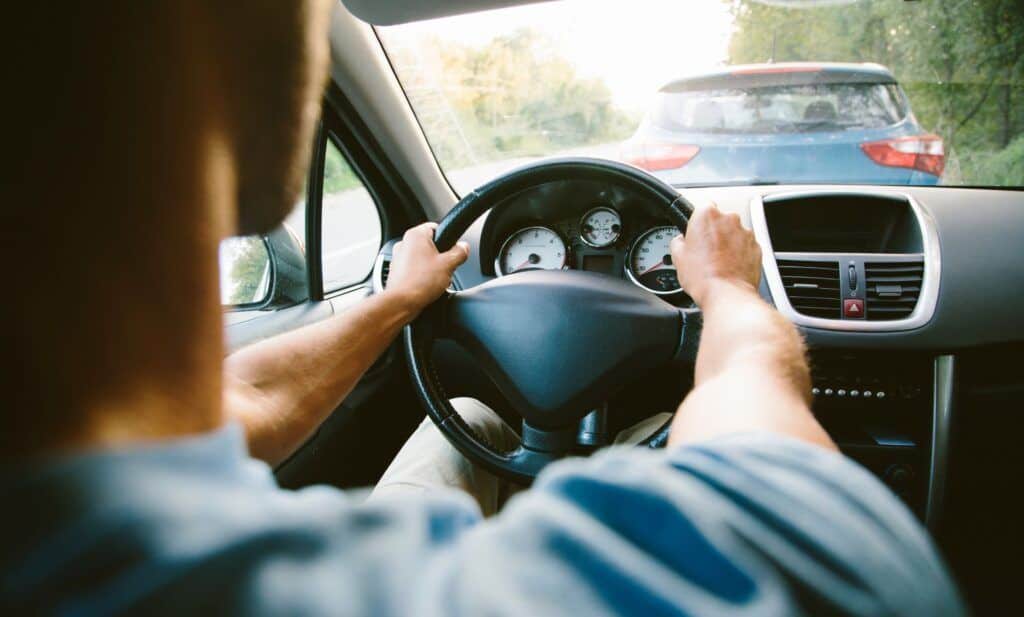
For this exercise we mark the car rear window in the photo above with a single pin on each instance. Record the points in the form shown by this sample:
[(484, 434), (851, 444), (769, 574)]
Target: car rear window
[(775, 109)]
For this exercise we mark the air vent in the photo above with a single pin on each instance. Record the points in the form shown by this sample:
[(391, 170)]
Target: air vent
[(892, 288), (812, 287)]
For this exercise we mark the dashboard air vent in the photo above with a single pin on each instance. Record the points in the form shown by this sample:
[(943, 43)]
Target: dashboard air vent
[(812, 287), (892, 288)]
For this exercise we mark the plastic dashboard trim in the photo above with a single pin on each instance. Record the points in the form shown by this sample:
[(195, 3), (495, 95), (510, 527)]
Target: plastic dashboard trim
[(927, 301)]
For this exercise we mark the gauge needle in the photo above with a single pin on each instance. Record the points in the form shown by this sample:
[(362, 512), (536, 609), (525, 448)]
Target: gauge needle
[(525, 263), (652, 268)]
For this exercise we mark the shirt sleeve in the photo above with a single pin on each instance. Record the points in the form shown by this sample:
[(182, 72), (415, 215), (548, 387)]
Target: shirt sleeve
[(746, 523), (749, 524)]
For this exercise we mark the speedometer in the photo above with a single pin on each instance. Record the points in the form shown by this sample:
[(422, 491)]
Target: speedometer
[(649, 263), (533, 248)]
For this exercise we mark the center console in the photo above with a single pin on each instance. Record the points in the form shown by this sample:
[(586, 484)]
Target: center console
[(869, 262), (889, 413)]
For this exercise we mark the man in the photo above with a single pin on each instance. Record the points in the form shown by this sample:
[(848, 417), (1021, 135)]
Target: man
[(161, 127)]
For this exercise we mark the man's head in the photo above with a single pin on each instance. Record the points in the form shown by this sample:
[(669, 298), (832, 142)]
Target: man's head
[(272, 57), (139, 134)]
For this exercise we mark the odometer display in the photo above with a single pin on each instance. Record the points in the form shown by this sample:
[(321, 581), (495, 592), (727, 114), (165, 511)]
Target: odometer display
[(649, 263)]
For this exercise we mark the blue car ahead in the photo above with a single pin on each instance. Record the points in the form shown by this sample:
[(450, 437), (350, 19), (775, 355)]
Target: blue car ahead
[(786, 123)]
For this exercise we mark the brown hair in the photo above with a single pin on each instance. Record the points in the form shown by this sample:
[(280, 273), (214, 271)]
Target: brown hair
[(136, 130)]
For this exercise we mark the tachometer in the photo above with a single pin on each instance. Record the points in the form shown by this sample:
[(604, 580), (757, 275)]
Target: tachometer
[(600, 227), (649, 263), (533, 248)]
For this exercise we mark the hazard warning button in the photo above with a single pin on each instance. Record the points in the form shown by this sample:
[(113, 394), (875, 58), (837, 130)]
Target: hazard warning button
[(853, 308)]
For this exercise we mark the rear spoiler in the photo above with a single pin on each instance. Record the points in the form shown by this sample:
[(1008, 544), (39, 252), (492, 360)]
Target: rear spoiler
[(767, 76)]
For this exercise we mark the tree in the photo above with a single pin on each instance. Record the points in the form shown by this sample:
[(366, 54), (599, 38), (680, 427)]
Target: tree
[(961, 62), (249, 261), (513, 96)]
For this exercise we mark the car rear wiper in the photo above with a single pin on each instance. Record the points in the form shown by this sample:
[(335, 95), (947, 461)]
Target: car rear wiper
[(811, 125), (712, 183)]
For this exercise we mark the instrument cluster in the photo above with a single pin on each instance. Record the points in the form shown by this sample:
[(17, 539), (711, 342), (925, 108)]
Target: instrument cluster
[(606, 239)]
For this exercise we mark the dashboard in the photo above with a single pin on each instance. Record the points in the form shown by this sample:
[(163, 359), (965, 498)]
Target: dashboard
[(978, 235)]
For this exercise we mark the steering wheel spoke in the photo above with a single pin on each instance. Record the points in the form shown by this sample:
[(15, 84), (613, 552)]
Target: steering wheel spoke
[(531, 462), (689, 339), (435, 317)]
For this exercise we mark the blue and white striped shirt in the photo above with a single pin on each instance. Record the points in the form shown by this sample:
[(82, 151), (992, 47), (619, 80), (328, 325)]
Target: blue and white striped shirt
[(748, 524)]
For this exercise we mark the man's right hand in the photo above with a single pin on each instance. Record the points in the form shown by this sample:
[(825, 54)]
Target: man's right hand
[(751, 372), (419, 273), (717, 249)]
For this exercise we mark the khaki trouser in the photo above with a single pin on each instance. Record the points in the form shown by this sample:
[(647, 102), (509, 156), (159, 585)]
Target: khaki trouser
[(428, 461)]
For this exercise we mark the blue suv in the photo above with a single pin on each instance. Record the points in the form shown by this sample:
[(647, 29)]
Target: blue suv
[(786, 123)]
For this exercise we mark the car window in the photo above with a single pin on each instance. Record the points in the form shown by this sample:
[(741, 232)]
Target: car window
[(774, 91), (784, 109), (351, 224)]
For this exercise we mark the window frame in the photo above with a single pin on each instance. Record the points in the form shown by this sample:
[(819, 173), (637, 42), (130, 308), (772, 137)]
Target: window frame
[(327, 135), (341, 124)]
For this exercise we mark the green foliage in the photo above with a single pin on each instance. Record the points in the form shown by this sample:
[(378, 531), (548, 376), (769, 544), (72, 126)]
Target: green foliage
[(1002, 168), (961, 63), (248, 264), (512, 97), (338, 175)]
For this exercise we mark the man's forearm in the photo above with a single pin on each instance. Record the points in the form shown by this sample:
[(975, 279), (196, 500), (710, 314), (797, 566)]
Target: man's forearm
[(751, 373), (740, 328), (284, 387)]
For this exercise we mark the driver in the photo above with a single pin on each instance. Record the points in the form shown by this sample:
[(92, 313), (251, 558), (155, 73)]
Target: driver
[(145, 133)]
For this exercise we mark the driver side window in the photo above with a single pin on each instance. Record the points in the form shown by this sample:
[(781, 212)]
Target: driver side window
[(351, 224)]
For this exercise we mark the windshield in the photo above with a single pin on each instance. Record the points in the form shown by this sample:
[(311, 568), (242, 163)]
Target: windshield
[(726, 91)]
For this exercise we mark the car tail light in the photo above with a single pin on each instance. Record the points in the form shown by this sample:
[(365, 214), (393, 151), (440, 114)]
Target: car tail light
[(921, 152), (659, 157)]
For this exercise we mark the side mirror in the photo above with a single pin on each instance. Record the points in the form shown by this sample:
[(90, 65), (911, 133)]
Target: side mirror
[(263, 272), (245, 272)]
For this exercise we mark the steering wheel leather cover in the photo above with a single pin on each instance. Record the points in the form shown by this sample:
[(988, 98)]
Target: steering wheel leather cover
[(535, 362)]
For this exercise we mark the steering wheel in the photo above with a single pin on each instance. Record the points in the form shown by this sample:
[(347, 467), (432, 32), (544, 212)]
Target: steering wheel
[(557, 344)]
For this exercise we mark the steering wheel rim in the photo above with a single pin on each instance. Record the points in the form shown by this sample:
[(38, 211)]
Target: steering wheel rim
[(539, 447)]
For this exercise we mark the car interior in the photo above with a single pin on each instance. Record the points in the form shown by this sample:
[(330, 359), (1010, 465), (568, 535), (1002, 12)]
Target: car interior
[(820, 110), (909, 298)]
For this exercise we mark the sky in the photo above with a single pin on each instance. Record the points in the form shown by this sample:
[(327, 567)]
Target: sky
[(635, 46)]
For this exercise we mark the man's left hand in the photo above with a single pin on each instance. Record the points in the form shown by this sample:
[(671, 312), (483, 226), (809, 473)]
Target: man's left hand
[(419, 273)]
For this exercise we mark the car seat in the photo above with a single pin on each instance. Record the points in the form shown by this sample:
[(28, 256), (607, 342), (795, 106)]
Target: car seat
[(707, 115), (820, 110)]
